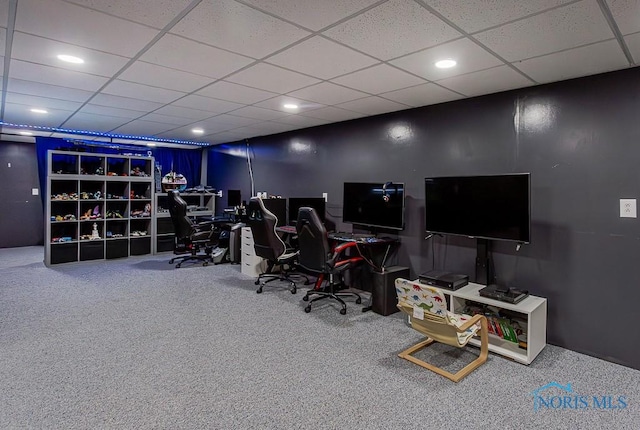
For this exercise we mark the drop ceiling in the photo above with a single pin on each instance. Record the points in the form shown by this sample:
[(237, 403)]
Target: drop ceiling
[(161, 68)]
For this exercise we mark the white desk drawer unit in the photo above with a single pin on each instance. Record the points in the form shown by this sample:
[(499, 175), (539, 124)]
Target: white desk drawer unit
[(252, 265)]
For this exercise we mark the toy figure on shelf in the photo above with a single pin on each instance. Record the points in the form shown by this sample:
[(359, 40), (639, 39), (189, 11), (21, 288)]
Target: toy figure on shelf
[(94, 232), (174, 181)]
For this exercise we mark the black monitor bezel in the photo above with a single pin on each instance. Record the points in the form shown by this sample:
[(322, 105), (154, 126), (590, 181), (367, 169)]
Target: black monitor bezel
[(382, 186)]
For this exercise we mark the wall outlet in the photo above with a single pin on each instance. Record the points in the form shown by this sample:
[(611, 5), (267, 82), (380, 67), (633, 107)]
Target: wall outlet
[(325, 196), (628, 208), (34, 191)]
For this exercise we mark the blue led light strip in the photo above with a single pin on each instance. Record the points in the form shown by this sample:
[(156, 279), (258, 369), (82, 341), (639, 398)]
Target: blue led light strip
[(100, 134)]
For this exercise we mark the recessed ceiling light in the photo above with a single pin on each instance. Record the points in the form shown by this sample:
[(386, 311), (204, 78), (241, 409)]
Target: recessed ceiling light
[(25, 133), (197, 130), (446, 64), (38, 110), (290, 106), (70, 59), (151, 144)]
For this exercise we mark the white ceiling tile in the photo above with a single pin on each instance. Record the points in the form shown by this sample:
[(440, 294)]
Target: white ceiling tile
[(206, 104), (277, 103), (379, 79), (500, 78), (259, 113), (392, 29), (475, 15), (469, 56), (183, 112), (373, 105), (55, 76), (110, 111), (633, 43), (3, 40), (321, 58), (333, 114), (143, 128), (235, 93), (248, 132), (597, 58), (194, 57), (31, 101), (225, 137), (266, 128), (312, 14), (302, 121), (167, 119), (328, 93), (163, 77), (626, 14), (142, 92), (422, 95), (251, 33), (158, 16), (270, 78), (52, 91), (183, 133), (125, 102), (39, 50), (563, 28), (4, 12), (20, 114), (88, 121), (58, 20), (227, 121)]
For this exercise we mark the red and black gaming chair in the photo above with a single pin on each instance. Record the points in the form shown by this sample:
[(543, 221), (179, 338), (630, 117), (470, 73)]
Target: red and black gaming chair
[(317, 256)]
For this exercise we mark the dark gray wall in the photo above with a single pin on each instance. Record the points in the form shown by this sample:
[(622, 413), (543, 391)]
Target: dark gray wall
[(21, 222), (579, 139)]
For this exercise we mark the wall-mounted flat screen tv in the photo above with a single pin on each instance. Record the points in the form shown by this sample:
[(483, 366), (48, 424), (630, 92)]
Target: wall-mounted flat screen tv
[(488, 207), (377, 205)]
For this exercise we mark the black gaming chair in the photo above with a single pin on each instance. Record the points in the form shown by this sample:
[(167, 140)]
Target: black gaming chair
[(317, 256), (267, 243), (191, 237)]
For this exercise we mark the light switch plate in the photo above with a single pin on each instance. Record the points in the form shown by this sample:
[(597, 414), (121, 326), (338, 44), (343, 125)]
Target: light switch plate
[(628, 208)]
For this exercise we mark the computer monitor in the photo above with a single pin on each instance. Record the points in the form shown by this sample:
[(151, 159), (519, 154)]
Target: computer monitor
[(375, 205), (234, 198), (295, 203), (278, 207)]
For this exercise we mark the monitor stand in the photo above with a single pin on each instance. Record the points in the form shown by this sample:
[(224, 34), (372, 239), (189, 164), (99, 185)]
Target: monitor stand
[(484, 263)]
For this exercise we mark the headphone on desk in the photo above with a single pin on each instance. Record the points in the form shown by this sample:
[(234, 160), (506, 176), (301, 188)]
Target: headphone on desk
[(385, 195)]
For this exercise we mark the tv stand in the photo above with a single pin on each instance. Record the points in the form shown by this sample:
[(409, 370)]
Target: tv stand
[(532, 309), (484, 264)]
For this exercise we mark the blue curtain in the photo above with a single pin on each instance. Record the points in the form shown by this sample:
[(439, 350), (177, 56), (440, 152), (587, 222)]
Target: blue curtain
[(185, 161)]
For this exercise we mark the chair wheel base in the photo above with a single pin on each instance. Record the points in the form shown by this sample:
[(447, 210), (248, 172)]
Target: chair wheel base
[(343, 311), (307, 309), (178, 265), (257, 282), (259, 290), (358, 300), (294, 290), (305, 298)]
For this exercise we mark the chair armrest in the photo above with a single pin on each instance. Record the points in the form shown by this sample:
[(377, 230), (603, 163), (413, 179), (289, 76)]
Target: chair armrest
[(473, 321), (338, 250)]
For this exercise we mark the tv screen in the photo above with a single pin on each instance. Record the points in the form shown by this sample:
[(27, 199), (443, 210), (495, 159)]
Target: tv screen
[(296, 203), (488, 207), (374, 204)]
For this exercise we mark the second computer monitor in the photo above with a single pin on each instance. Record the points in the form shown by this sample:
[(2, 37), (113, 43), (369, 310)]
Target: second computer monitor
[(295, 203)]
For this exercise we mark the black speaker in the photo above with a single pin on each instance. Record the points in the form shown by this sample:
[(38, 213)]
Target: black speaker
[(383, 295)]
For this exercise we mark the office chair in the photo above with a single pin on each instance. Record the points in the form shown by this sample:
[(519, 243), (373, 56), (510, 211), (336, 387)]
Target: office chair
[(190, 237), (317, 256), (427, 308), (281, 261)]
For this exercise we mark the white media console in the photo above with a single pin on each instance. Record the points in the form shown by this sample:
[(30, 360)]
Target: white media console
[(532, 309)]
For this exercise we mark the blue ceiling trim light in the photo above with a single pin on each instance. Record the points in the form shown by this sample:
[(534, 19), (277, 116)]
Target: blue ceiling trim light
[(100, 134)]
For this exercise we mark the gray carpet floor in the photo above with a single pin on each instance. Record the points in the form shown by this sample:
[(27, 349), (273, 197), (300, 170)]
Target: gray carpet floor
[(136, 343)]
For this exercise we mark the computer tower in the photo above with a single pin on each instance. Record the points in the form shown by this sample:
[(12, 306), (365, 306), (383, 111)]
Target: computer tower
[(383, 294), (235, 234)]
